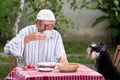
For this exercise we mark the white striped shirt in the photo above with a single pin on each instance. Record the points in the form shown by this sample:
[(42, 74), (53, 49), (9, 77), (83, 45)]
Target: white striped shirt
[(49, 50)]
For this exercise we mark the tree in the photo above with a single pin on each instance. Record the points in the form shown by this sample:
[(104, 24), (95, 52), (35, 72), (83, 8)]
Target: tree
[(18, 19), (110, 7), (8, 12)]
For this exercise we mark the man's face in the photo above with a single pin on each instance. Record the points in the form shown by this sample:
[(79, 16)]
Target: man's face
[(45, 25)]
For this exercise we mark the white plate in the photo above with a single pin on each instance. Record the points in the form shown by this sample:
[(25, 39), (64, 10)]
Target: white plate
[(45, 69), (48, 64)]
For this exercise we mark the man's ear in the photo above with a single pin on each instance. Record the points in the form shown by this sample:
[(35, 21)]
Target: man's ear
[(35, 22)]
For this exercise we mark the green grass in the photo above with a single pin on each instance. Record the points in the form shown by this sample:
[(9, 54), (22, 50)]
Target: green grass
[(4, 67), (80, 48), (80, 59), (3, 59), (1, 47), (75, 47), (4, 70), (72, 48)]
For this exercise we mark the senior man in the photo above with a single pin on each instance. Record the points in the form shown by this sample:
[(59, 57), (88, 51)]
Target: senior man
[(39, 42)]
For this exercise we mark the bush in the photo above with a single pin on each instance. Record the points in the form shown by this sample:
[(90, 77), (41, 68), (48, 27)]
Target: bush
[(9, 9)]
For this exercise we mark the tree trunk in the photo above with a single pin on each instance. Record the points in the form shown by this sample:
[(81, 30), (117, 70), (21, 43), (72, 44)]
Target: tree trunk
[(19, 17)]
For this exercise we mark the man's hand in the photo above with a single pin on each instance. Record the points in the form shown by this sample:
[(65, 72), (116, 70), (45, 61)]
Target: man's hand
[(62, 60), (34, 36)]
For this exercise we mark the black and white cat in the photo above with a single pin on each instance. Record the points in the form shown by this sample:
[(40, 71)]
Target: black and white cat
[(104, 64)]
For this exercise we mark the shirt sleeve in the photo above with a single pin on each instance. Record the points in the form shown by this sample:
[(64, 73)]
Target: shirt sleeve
[(15, 46), (60, 51)]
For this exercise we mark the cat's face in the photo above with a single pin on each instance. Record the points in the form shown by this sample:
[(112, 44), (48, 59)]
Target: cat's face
[(93, 51)]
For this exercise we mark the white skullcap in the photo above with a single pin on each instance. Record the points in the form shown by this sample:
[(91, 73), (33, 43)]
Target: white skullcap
[(45, 14)]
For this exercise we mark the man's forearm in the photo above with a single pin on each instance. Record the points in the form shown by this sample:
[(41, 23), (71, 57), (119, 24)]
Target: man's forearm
[(26, 39)]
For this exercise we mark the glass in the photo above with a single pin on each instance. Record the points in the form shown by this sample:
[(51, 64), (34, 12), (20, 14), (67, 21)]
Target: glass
[(48, 25)]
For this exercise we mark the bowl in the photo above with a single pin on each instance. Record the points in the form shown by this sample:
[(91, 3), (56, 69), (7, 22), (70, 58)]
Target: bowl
[(68, 67)]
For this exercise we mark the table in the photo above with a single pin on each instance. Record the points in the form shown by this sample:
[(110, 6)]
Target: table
[(83, 73)]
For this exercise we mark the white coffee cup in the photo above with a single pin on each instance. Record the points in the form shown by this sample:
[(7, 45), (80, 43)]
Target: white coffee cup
[(48, 34)]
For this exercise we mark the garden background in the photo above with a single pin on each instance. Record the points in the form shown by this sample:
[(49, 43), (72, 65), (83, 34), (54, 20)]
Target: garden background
[(79, 23)]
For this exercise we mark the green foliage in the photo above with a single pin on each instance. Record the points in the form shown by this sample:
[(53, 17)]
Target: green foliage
[(80, 59), (75, 47), (110, 7), (98, 20), (8, 11), (4, 70)]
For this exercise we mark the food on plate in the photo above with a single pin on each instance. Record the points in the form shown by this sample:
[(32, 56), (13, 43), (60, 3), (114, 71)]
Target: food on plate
[(47, 64), (30, 66)]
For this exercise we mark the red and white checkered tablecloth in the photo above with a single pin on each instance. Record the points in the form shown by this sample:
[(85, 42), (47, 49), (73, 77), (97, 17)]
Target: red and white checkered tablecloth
[(83, 73)]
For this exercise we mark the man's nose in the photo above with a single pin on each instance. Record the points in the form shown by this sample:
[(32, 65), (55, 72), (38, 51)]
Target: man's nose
[(44, 27)]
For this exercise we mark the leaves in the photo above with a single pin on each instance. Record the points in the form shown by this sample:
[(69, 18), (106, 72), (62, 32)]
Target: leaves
[(98, 20), (111, 7), (114, 31), (116, 2), (73, 4), (100, 1), (9, 9)]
